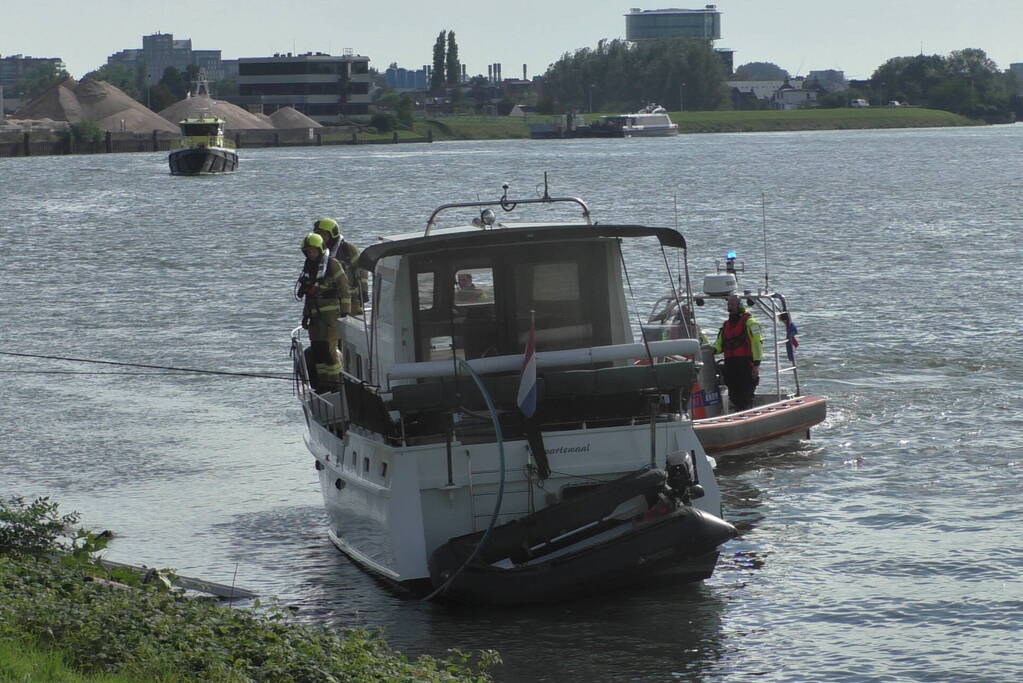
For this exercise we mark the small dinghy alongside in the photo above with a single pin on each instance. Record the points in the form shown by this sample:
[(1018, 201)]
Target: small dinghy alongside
[(613, 536)]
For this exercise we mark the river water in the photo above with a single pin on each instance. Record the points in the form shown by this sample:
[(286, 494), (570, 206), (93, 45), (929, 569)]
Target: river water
[(887, 548)]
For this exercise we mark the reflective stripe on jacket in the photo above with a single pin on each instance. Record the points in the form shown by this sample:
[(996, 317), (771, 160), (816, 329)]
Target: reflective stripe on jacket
[(332, 294)]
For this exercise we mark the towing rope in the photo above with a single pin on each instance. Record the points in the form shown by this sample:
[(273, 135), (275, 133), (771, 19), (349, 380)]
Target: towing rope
[(176, 370)]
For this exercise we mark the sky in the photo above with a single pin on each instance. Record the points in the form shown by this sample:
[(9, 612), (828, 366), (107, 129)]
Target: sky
[(855, 36)]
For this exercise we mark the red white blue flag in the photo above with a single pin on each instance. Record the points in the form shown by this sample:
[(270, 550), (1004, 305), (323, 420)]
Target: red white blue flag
[(527, 385)]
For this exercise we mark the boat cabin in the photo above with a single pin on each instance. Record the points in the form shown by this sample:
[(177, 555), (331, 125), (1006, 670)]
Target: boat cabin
[(474, 294), (203, 131)]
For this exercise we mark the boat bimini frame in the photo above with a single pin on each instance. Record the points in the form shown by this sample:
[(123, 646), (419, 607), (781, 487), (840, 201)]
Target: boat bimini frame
[(488, 218)]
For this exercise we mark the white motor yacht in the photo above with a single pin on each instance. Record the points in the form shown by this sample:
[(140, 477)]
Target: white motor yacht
[(440, 475)]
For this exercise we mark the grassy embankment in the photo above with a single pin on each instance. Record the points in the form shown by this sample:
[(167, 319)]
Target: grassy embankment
[(505, 127), (63, 617)]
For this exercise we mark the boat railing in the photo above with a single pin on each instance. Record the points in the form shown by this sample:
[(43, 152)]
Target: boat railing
[(487, 219), (547, 359), (773, 305)]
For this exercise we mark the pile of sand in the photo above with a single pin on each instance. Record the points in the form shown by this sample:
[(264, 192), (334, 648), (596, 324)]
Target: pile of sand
[(289, 117), (97, 101), (234, 116)]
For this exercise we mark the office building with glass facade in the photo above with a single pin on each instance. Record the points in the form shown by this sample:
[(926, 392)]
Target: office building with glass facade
[(321, 86), (648, 24)]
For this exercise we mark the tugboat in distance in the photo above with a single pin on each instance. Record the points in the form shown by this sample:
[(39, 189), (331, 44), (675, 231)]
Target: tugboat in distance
[(203, 148)]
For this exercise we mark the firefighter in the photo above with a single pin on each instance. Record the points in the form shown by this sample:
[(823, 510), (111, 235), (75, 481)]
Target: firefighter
[(346, 253), (743, 347), (324, 287)]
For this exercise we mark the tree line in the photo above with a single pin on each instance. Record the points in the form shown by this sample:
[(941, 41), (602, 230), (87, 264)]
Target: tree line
[(688, 74), (677, 73), (966, 82)]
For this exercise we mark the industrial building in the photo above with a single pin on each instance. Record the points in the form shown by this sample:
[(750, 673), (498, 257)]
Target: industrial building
[(161, 50), (321, 86)]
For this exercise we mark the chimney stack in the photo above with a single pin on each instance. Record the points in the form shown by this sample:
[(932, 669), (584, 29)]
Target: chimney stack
[(524, 73)]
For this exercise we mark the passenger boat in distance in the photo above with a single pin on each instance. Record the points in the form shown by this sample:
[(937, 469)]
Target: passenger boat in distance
[(651, 121), (442, 449), (781, 412), (203, 149)]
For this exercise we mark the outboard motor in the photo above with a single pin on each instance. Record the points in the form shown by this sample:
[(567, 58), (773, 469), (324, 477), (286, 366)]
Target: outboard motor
[(683, 478)]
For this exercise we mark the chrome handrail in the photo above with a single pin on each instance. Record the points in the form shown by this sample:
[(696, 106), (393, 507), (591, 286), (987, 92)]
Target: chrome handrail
[(502, 202), (508, 205)]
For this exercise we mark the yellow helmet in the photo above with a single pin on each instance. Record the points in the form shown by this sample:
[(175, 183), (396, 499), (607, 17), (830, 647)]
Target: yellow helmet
[(313, 240), (329, 226)]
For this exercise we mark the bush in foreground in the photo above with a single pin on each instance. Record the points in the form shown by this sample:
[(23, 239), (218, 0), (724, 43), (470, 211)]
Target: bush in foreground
[(150, 633)]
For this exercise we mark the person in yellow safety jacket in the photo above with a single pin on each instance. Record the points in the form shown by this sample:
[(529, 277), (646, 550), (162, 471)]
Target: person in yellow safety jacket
[(740, 340), (324, 287), (346, 253)]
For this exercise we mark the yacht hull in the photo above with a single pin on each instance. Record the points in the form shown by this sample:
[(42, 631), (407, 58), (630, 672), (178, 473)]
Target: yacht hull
[(202, 161), (390, 507)]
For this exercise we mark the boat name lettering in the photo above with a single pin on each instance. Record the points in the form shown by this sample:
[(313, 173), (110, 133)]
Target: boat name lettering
[(567, 449)]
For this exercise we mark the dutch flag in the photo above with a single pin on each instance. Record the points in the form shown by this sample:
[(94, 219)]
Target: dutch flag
[(527, 385)]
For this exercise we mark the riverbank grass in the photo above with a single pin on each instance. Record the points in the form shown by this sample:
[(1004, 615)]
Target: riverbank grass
[(62, 616)]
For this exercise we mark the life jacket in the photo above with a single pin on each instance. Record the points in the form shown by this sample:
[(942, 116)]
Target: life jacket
[(735, 341)]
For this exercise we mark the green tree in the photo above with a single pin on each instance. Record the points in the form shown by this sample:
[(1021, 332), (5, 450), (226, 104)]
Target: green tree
[(39, 78), (910, 79), (760, 71), (454, 68), (119, 75), (437, 77), (191, 73), (175, 83), (225, 87), (160, 97), (384, 122), (966, 82), (86, 131), (405, 110), (619, 76)]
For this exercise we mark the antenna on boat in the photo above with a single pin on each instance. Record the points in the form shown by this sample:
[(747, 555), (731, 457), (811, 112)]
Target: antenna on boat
[(763, 220), (685, 258)]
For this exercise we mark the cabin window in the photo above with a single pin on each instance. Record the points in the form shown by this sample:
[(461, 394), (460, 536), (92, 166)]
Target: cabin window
[(474, 287), (456, 310), (551, 294), (475, 317), (424, 290), (473, 305)]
